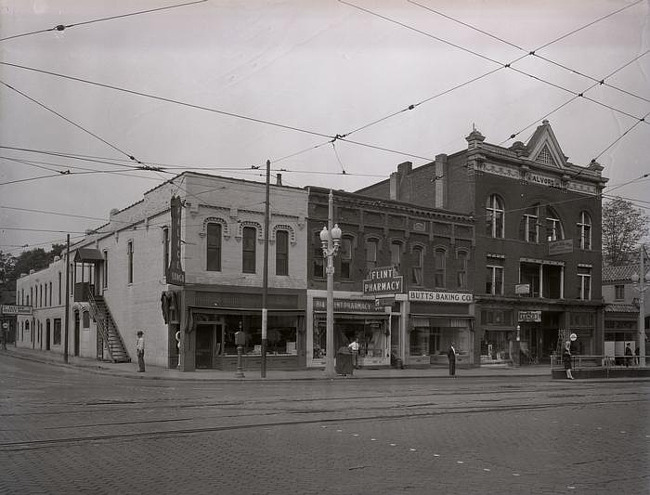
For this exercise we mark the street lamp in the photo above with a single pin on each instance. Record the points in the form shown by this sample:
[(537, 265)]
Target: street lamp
[(641, 286), (331, 240)]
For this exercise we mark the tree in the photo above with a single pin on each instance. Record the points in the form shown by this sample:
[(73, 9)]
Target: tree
[(624, 226)]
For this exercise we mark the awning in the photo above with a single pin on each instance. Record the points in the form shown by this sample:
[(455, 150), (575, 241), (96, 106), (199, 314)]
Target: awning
[(88, 255)]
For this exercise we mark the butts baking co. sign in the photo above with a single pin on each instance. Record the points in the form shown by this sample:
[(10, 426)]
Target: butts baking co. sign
[(440, 297)]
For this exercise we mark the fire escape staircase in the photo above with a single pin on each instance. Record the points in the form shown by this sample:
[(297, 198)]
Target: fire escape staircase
[(108, 330)]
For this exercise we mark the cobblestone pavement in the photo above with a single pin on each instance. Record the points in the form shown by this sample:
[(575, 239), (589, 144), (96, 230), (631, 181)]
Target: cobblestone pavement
[(66, 431)]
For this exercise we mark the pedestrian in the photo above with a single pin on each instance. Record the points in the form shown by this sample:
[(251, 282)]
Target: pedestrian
[(628, 355), (636, 356), (566, 359), (354, 347), (139, 347), (451, 354)]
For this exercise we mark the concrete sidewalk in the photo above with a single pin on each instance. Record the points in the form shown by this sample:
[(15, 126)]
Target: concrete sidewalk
[(129, 370)]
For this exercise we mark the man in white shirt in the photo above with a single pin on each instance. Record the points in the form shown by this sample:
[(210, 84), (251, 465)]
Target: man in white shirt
[(139, 347), (354, 347)]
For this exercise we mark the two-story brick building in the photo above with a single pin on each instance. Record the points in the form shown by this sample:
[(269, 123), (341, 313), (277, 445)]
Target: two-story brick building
[(537, 261), (415, 260), (212, 236)]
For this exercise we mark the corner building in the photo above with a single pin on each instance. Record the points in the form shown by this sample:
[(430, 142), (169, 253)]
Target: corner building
[(537, 262)]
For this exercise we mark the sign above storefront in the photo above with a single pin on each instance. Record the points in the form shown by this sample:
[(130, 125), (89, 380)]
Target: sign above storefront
[(522, 289), (560, 247), (440, 297), (385, 280), (346, 305), (529, 316), (10, 309)]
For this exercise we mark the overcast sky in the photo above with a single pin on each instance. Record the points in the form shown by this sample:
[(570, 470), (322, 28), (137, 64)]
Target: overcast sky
[(255, 80)]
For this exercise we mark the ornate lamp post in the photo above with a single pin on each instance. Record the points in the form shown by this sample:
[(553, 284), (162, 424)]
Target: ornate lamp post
[(330, 238), (641, 284)]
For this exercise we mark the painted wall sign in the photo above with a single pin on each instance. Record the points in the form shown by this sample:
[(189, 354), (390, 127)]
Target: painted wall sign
[(440, 297)]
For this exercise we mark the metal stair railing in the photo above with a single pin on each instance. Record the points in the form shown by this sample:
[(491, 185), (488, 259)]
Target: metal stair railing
[(112, 339)]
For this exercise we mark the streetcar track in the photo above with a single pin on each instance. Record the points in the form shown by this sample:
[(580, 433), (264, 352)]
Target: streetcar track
[(139, 435)]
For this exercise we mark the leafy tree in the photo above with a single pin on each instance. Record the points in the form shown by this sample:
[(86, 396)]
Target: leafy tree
[(624, 226)]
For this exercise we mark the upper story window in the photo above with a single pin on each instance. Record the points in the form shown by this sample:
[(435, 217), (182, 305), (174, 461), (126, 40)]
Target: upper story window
[(213, 247), (554, 229), (129, 256), (249, 235), (104, 275), (318, 266), (584, 230), (417, 258), (494, 217), (282, 252), (440, 267), (60, 287), (395, 253), (372, 248), (619, 292), (494, 276), (165, 243), (584, 283), (345, 254), (462, 258), (529, 227), (50, 293)]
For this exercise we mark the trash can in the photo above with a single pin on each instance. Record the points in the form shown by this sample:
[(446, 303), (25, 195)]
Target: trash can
[(344, 364)]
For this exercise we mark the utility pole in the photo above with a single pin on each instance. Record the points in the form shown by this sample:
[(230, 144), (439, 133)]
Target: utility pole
[(67, 299), (265, 275), (643, 286)]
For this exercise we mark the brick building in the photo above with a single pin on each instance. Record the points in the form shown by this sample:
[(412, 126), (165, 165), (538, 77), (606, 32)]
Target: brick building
[(425, 250), (121, 281), (537, 262)]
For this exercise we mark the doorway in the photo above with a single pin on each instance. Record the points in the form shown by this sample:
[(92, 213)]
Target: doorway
[(77, 330), (206, 336), (47, 334)]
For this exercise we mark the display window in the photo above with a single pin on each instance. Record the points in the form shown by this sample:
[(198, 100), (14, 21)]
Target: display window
[(373, 335)]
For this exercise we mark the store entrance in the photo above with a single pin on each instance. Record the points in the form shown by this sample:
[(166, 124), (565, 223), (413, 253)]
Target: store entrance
[(548, 335), (205, 344)]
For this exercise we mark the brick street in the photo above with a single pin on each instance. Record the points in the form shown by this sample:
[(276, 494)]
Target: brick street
[(64, 430)]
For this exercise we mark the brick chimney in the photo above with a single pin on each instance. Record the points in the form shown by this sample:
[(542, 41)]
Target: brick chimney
[(397, 178)]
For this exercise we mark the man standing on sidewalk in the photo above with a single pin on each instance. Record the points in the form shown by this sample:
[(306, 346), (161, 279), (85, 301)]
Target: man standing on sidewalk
[(451, 354), (139, 347)]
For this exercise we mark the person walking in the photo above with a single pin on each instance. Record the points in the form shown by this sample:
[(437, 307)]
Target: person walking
[(354, 347), (566, 359), (451, 355), (628, 355), (139, 347)]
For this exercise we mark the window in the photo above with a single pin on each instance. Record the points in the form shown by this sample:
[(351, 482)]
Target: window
[(461, 275), (584, 230), (85, 318), (372, 246), (439, 267), (395, 253), (282, 252), (494, 276), (584, 283), (165, 242), (104, 272), (529, 228), (416, 265), (248, 249), (60, 287), (57, 332), (50, 293), (619, 292), (213, 253), (317, 257), (129, 256), (554, 230), (345, 252), (494, 217)]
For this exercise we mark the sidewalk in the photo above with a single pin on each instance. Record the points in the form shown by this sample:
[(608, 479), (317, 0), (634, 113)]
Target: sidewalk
[(129, 370)]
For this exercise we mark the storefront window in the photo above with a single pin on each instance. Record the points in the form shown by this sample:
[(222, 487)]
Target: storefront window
[(372, 333), (281, 334)]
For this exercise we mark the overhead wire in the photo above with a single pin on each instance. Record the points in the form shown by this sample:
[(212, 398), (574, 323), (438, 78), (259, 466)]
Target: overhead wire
[(62, 27)]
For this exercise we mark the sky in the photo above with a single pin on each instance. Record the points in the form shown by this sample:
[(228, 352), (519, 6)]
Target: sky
[(222, 86)]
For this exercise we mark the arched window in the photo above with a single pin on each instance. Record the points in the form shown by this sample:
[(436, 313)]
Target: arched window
[(462, 258), (417, 256), (554, 228), (345, 255), (372, 250), (494, 217), (249, 236), (213, 252), (282, 252), (584, 230), (439, 267), (529, 226), (395, 253)]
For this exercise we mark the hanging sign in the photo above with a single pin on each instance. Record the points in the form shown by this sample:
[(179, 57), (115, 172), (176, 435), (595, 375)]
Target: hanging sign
[(175, 273)]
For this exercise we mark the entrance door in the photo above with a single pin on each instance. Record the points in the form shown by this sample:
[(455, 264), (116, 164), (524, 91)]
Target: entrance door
[(77, 329), (205, 340), (47, 335)]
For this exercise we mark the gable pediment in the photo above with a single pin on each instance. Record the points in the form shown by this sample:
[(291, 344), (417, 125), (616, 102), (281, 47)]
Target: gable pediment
[(544, 148)]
